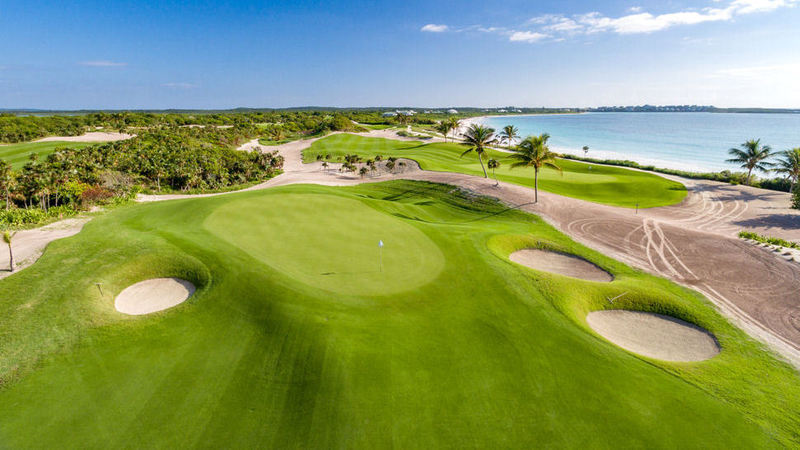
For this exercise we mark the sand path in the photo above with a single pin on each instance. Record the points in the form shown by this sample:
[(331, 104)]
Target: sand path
[(693, 243), (28, 245), (92, 136)]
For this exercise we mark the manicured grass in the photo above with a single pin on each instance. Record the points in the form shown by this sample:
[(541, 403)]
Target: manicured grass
[(266, 141), (343, 258), (17, 154), (472, 350), (379, 126), (601, 184)]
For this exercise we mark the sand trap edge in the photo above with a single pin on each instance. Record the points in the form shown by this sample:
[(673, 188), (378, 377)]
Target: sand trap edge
[(654, 335), (153, 295), (560, 263)]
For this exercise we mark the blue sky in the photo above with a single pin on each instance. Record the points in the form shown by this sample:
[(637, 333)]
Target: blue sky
[(163, 54)]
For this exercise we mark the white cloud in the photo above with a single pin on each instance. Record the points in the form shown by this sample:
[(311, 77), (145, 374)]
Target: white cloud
[(648, 23), (526, 36), (555, 27), (753, 6), (180, 85), (434, 28), (103, 64), (563, 25)]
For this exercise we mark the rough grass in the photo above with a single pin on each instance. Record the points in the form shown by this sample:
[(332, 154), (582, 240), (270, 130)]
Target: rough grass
[(485, 353), (18, 154), (601, 184)]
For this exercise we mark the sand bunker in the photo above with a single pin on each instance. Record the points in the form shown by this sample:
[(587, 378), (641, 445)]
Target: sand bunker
[(560, 263), (654, 335), (153, 295)]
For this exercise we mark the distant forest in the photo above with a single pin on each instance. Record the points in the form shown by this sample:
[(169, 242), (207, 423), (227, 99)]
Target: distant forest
[(377, 111)]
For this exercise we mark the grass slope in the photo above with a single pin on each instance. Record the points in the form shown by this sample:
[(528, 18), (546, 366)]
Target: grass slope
[(17, 154), (471, 351), (602, 184)]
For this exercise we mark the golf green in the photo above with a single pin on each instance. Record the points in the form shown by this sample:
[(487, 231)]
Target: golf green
[(452, 346), (330, 243)]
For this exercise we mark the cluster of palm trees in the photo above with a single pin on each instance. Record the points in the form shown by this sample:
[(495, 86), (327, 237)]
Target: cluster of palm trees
[(532, 151), (752, 155), (446, 126), (356, 164)]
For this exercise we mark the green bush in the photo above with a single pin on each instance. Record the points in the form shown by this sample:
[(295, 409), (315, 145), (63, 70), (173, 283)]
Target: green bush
[(17, 217), (768, 239), (796, 197)]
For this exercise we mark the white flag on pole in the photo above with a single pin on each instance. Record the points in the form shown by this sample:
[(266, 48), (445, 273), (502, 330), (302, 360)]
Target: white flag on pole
[(380, 244)]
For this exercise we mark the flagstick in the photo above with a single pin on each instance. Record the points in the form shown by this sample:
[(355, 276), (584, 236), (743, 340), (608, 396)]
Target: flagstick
[(380, 255)]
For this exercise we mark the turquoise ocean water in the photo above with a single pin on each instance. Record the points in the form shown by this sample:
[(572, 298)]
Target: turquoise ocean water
[(686, 141)]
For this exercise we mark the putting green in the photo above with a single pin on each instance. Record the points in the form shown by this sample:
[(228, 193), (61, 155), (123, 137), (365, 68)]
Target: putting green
[(330, 242)]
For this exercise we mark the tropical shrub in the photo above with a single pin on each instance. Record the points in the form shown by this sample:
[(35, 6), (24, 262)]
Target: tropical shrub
[(768, 240), (20, 216)]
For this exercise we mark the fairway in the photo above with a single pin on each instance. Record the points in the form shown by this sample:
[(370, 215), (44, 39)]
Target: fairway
[(601, 184), (451, 346), (18, 154)]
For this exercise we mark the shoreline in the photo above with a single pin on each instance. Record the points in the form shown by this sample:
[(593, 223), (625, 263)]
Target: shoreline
[(609, 154)]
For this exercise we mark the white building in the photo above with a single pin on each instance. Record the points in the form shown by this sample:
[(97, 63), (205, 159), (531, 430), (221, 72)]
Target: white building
[(452, 111)]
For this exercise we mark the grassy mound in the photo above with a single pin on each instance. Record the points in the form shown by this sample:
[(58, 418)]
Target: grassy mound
[(17, 154), (486, 353), (602, 184)]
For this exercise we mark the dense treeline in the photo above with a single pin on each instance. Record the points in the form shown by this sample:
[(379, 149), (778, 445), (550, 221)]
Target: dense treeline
[(162, 159), (21, 129), (25, 128)]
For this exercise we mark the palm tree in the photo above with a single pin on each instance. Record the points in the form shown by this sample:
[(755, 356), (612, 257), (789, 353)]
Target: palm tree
[(402, 118), (509, 134), (493, 164), (752, 155), (477, 138), (453, 126), (7, 239), (324, 166), (276, 133), (444, 127), (363, 172), (585, 150), (534, 152), (789, 165)]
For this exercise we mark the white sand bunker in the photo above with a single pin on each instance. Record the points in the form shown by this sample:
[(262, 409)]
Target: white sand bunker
[(654, 335), (560, 263), (153, 295)]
